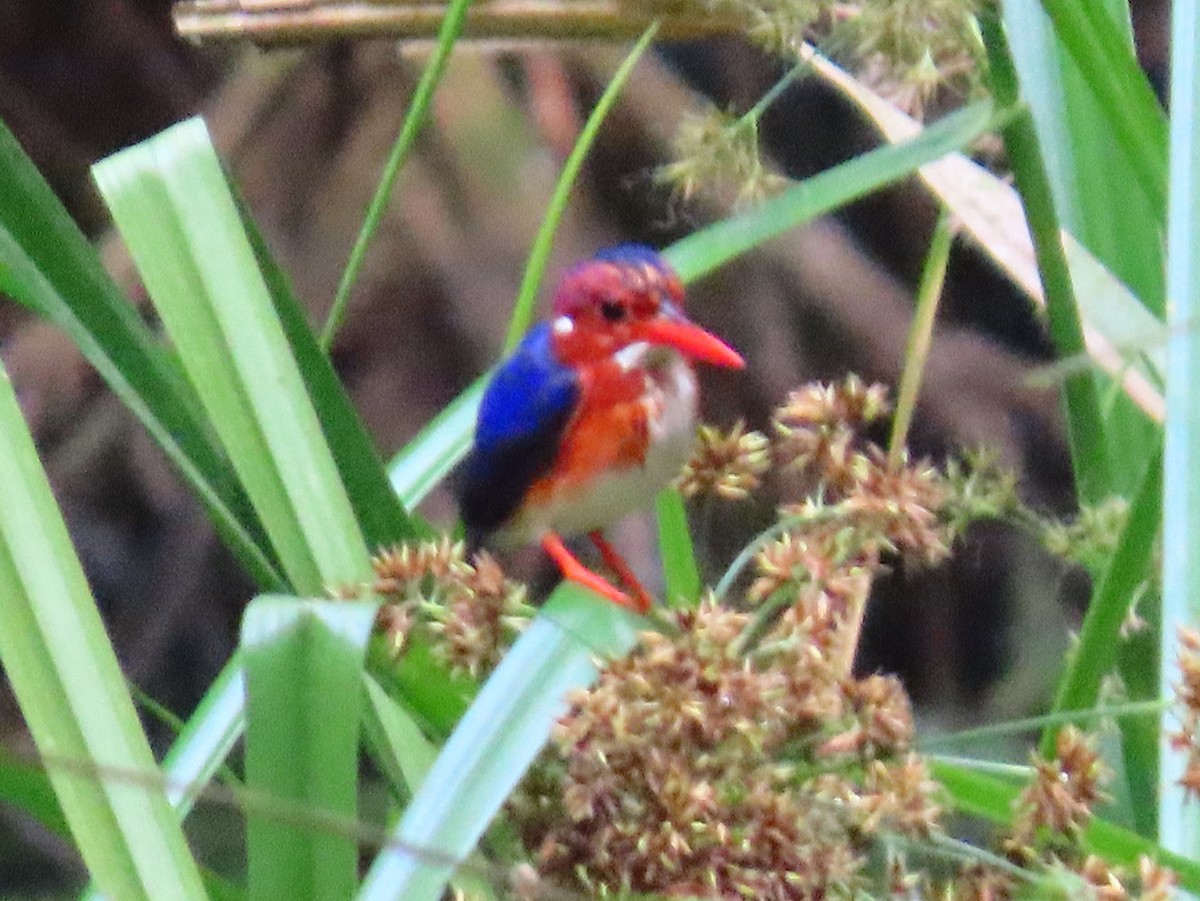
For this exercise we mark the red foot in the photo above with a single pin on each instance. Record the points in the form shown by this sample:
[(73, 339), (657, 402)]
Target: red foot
[(572, 569), (641, 597)]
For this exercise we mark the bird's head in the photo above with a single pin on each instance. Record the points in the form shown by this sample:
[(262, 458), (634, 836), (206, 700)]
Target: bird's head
[(628, 295)]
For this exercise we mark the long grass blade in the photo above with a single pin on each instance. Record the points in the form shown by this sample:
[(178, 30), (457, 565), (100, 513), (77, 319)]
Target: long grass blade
[(203, 745), (71, 692), (378, 510), (1095, 54), (539, 253), (1100, 638), (47, 265), (1179, 820), (920, 335), (303, 662), (173, 206), (1085, 421), (680, 571)]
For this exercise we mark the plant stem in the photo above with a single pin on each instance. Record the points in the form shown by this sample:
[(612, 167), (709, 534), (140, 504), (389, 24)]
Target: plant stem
[(451, 28), (920, 336), (1085, 421), (539, 253)]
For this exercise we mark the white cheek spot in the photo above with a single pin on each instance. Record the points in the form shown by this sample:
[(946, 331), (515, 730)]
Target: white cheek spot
[(631, 356), (563, 325)]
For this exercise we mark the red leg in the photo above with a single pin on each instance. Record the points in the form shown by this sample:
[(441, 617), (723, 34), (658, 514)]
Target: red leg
[(575, 571), (641, 597)]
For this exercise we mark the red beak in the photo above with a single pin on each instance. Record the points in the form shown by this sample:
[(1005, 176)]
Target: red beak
[(690, 340)]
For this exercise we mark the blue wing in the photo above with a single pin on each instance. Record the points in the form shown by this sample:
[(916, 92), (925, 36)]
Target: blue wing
[(524, 411)]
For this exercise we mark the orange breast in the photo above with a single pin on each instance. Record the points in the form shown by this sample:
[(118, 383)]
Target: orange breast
[(609, 431)]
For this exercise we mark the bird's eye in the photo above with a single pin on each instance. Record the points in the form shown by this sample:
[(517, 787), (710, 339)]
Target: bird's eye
[(612, 311)]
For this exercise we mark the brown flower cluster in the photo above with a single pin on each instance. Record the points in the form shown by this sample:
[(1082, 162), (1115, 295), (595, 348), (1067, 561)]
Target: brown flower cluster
[(822, 433), (692, 769), (1045, 839), (728, 464), (471, 610), (1187, 706), (831, 545), (1055, 808), (821, 426), (823, 574)]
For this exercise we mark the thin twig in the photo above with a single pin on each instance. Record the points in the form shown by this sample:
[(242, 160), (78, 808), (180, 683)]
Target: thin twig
[(285, 22)]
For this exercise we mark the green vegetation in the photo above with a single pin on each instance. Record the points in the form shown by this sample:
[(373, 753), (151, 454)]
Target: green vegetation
[(791, 776)]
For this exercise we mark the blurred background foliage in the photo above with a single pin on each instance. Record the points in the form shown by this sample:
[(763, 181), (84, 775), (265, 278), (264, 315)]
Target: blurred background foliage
[(306, 131)]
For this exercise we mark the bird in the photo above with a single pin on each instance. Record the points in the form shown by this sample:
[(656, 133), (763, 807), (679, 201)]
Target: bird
[(591, 415)]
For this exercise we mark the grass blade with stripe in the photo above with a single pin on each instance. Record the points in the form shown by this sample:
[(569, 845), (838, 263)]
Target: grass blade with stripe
[(380, 513), (47, 265), (71, 692), (171, 202), (303, 661)]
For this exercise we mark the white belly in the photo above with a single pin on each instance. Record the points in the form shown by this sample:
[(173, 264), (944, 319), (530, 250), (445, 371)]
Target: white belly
[(671, 404)]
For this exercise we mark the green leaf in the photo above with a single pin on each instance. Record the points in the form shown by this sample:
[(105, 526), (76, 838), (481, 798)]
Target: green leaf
[(379, 512), (1129, 567), (47, 265), (680, 572), (397, 743), (25, 785), (71, 692), (496, 741), (1100, 124), (1179, 817), (303, 661), (171, 202)]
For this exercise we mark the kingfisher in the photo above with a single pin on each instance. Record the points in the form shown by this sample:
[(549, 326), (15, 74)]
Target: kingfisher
[(592, 414)]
